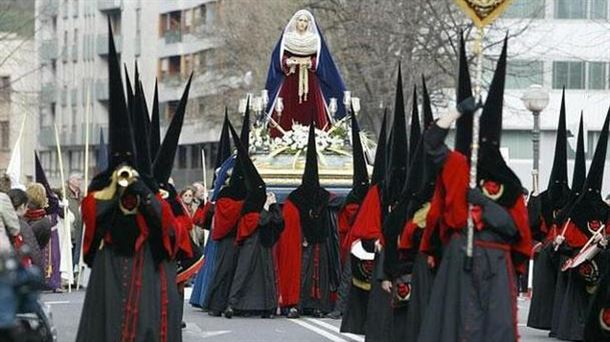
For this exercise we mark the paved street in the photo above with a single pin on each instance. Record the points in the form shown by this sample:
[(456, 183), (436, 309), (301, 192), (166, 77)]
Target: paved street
[(201, 327)]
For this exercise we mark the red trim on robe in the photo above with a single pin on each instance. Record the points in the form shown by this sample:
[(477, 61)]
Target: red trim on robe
[(183, 239), (201, 213), (88, 210), (345, 221), (168, 223), (367, 225), (247, 226), (225, 217), (449, 208), (406, 237), (288, 255), (575, 238)]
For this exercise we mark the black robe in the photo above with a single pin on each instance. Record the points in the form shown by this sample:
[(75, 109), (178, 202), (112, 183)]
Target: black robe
[(543, 292), (253, 286), (600, 301)]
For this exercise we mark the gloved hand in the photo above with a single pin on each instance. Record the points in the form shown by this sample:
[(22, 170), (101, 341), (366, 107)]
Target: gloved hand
[(139, 188), (476, 196), (469, 105)]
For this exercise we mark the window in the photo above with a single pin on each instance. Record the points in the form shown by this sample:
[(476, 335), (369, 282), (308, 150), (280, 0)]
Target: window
[(196, 157), (569, 74), (199, 15), (570, 9), (182, 157), (596, 75), (520, 74), (5, 88), (533, 9), (4, 135), (518, 143), (599, 9)]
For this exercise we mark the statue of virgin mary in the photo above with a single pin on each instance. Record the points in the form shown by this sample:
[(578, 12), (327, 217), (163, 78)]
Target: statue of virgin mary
[(303, 74)]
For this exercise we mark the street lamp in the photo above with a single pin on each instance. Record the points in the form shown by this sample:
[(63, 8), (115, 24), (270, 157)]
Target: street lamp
[(535, 99)]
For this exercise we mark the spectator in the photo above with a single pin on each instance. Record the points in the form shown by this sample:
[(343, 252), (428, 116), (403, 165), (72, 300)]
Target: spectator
[(200, 195), (9, 223), (75, 197), (187, 199), (46, 235), (20, 200)]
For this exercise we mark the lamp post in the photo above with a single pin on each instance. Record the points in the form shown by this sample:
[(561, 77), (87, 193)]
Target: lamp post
[(535, 99)]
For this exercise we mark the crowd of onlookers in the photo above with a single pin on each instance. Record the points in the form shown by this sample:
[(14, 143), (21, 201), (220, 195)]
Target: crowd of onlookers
[(36, 220)]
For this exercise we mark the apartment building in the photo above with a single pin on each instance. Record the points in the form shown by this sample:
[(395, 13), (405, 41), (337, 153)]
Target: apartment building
[(168, 39), (563, 43)]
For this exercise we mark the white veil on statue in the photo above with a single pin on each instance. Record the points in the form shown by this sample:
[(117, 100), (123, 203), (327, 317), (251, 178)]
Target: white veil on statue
[(303, 44)]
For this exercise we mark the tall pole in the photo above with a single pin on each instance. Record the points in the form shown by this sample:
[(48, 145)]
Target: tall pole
[(536, 150)]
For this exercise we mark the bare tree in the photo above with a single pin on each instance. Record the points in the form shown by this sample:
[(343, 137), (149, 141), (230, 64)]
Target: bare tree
[(367, 39)]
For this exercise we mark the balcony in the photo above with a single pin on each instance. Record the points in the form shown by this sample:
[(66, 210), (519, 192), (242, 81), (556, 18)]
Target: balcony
[(48, 93), (101, 90), (172, 37), (74, 53), (48, 49), (49, 8), (109, 5), (102, 44), (173, 80)]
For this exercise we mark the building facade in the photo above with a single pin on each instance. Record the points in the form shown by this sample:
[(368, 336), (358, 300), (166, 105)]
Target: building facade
[(559, 43), (167, 39), (18, 101)]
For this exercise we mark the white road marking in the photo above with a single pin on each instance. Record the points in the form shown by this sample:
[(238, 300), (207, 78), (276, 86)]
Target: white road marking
[(335, 329), (317, 330), (194, 329), (187, 293), (57, 302)]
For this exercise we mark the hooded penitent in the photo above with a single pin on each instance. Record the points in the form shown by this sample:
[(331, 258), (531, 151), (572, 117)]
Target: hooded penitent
[(236, 189), (463, 134), (40, 177), (310, 198), (590, 206), (398, 151), (491, 165), (558, 192)]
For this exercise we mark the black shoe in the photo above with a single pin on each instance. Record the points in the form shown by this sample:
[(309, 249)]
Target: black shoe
[(183, 325), (317, 313), (214, 313), (334, 314), (229, 312), (293, 313)]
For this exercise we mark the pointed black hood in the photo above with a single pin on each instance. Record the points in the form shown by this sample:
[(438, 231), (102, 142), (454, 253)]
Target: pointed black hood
[(426, 106), (163, 165), (141, 128), (223, 152), (580, 169), (245, 127), (101, 160), (120, 140), (130, 93), (235, 187), (41, 177), (398, 155), (254, 183), (155, 126), (491, 165), (415, 128), (558, 190), (360, 179), (311, 178), (463, 132), (379, 165), (590, 206)]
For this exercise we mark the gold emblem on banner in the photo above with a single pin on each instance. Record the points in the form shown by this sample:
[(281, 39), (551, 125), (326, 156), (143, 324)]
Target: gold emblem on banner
[(483, 12)]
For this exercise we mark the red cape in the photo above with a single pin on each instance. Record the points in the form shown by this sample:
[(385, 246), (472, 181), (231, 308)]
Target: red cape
[(449, 208), (247, 226), (168, 223), (367, 225), (225, 217), (201, 213), (288, 256), (346, 218)]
